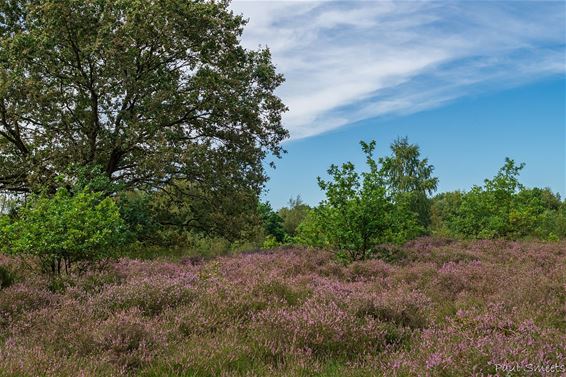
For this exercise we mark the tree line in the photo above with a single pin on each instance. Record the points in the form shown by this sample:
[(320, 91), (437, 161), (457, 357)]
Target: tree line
[(392, 201), (128, 124)]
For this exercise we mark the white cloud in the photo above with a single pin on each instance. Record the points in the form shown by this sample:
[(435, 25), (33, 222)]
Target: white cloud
[(351, 60)]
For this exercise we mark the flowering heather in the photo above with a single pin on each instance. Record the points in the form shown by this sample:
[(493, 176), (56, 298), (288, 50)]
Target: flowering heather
[(443, 308)]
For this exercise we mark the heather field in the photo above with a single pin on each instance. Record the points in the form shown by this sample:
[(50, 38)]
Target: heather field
[(438, 308)]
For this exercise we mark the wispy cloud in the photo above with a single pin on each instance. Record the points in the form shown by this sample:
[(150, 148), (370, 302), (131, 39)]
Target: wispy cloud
[(352, 60)]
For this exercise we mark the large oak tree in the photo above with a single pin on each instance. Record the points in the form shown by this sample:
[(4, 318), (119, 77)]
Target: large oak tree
[(150, 91)]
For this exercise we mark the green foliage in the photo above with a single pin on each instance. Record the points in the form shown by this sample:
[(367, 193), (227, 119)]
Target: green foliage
[(155, 94), (492, 211), (311, 230), (408, 175), (270, 242), (445, 207), (359, 212), (356, 211), (502, 208), (192, 247), (552, 224), (228, 213), (91, 177), (187, 221), (405, 220), (65, 228), (137, 211), (293, 215), (405, 171), (272, 222)]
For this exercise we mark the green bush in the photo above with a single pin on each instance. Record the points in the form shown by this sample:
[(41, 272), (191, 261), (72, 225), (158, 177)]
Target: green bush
[(185, 207), (293, 215), (137, 212), (445, 207), (311, 230), (359, 212), (539, 214), (272, 223), (501, 208), (65, 229), (270, 242), (552, 225)]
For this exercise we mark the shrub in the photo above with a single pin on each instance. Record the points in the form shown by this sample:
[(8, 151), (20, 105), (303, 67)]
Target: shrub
[(129, 339), (401, 307), (552, 225), (311, 230), (450, 307), (137, 212), (272, 222), (149, 295), (355, 214), (293, 215), (65, 229), (321, 328), (502, 208), (270, 242), (444, 209), (18, 300), (359, 212)]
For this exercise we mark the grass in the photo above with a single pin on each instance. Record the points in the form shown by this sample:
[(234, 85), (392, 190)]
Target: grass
[(436, 307)]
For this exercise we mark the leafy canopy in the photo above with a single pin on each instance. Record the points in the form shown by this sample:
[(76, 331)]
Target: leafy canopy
[(501, 208), (410, 178), (405, 171), (65, 228), (150, 91), (272, 222), (358, 213), (293, 215)]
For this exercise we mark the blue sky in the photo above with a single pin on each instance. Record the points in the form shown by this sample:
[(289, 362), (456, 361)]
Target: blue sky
[(470, 82)]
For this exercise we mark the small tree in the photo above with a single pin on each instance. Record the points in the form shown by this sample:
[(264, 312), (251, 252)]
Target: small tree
[(409, 178), (65, 229), (272, 223), (293, 215), (160, 94), (495, 210), (444, 210), (358, 213)]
